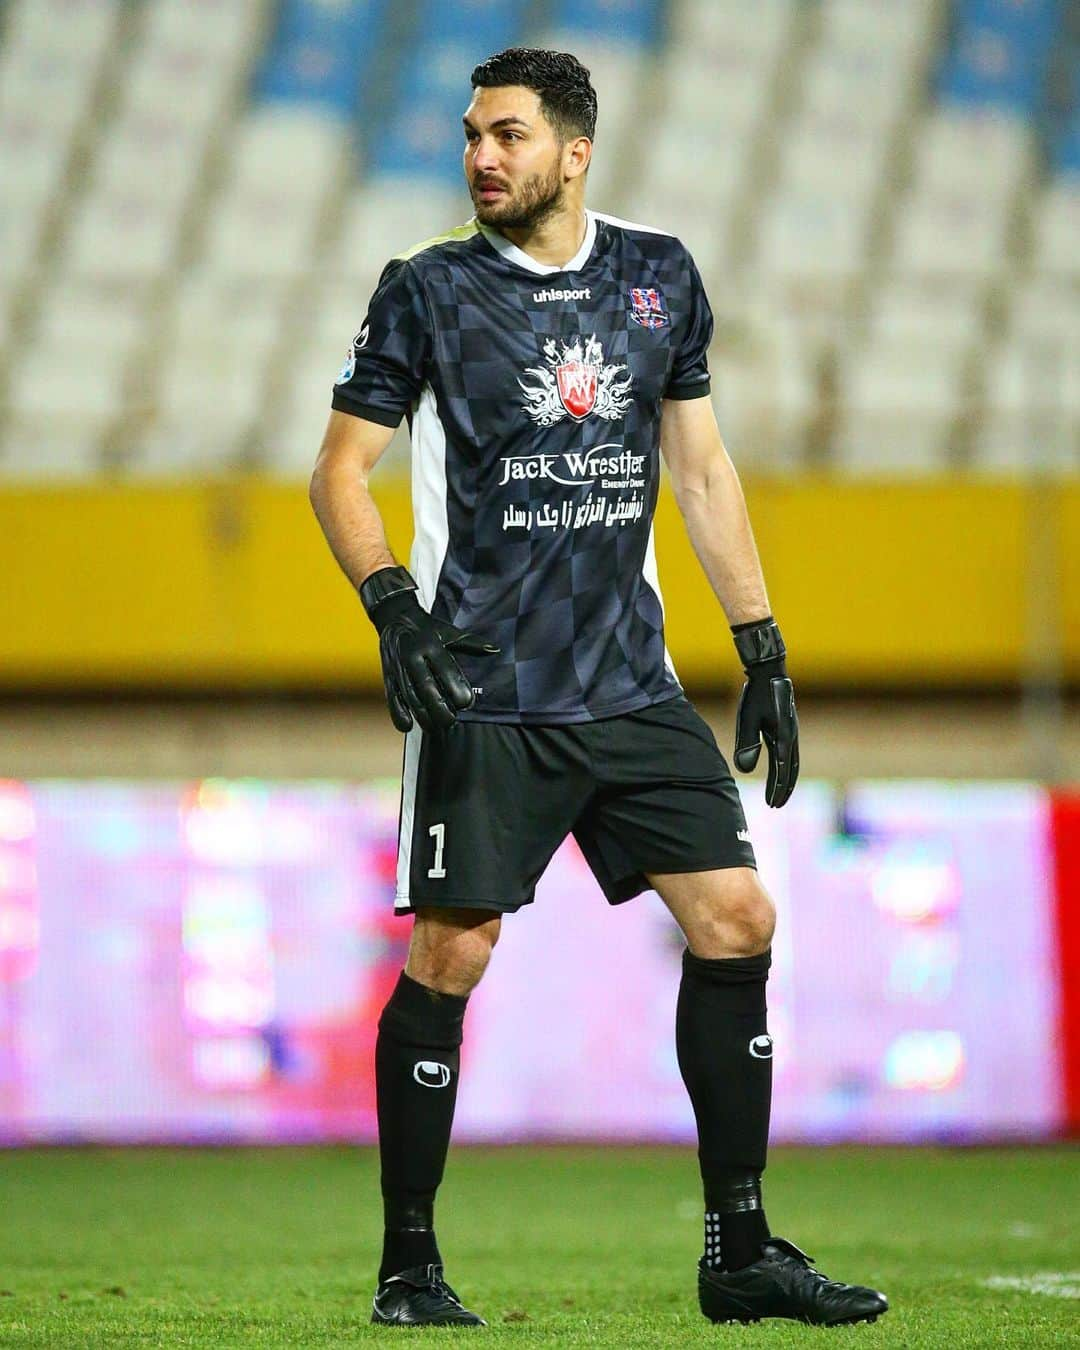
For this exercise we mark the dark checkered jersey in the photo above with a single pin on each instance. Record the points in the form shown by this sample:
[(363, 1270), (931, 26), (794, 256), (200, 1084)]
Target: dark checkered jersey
[(533, 395)]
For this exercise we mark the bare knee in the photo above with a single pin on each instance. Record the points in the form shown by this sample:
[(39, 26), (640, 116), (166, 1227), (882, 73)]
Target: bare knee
[(752, 920), (737, 920), (450, 948)]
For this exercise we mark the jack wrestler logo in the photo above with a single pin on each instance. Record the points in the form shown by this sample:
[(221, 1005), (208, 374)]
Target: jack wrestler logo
[(575, 383)]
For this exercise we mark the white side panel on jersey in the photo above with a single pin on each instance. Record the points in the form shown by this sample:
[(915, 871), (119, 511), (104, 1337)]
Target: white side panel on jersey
[(409, 775), (431, 536), (651, 574), (430, 523)]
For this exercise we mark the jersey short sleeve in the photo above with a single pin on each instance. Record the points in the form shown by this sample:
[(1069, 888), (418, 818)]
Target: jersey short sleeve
[(384, 368), (689, 376)]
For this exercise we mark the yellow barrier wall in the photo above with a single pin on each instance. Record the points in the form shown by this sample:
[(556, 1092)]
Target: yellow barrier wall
[(194, 585)]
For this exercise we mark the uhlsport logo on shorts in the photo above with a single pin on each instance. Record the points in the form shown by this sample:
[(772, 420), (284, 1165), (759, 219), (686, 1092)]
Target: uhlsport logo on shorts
[(761, 1047), (430, 1073), (575, 383)]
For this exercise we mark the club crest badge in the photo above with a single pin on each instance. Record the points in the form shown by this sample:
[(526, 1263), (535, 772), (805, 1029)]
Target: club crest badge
[(576, 383), (577, 387), (647, 307)]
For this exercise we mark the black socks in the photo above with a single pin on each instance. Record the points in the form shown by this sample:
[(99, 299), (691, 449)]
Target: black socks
[(416, 1074), (725, 1055)]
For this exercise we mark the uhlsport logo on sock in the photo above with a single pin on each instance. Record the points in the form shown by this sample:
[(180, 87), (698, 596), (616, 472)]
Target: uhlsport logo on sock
[(430, 1073), (760, 1047)]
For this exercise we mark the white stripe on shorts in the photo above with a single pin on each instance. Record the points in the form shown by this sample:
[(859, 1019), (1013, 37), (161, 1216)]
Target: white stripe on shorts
[(409, 775)]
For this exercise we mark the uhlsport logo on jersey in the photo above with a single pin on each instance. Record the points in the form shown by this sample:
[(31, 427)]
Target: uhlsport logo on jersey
[(576, 383), (647, 307), (761, 1047)]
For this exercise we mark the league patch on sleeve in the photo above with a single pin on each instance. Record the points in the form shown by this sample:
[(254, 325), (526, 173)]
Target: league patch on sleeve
[(348, 370), (647, 307)]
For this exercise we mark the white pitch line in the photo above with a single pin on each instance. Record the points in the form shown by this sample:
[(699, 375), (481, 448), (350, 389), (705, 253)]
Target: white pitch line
[(1054, 1283)]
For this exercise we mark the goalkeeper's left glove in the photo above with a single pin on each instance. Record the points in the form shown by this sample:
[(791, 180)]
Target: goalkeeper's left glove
[(766, 709)]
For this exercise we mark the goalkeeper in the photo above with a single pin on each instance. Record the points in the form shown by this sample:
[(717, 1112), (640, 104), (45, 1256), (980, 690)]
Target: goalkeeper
[(544, 355)]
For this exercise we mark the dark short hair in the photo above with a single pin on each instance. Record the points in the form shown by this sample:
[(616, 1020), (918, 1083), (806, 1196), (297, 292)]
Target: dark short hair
[(567, 98)]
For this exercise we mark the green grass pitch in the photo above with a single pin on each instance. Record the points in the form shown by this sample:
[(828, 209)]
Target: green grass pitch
[(562, 1246)]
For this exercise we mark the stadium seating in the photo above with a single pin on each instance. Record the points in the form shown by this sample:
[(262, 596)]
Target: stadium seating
[(199, 195)]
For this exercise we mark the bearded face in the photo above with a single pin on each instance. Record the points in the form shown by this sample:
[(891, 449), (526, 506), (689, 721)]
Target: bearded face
[(521, 205), (513, 159)]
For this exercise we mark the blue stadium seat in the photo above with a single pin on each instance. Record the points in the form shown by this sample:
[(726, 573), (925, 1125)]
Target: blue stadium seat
[(318, 51), (493, 24), (1030, 20), (991, 73), (999, 54), (423, 136), (625, 21), (1066, 149)]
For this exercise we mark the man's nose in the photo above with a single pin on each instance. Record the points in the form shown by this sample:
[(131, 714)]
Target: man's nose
[(487, 155)]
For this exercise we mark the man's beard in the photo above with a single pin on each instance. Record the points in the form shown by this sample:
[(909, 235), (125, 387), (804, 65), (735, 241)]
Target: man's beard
[(537, 199)]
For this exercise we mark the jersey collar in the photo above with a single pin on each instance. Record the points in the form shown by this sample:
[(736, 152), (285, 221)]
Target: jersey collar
[(520, 258)]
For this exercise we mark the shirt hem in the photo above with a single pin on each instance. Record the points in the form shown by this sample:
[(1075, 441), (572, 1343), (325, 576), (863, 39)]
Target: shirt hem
[(685, 391), (557, 719), (382, 416)]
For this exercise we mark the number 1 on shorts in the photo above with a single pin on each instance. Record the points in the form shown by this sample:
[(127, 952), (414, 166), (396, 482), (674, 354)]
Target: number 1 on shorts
[(438, 833)]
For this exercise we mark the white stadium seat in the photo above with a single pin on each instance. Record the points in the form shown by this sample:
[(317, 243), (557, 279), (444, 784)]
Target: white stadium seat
[(267, 235), (191, 82), (954, 235), (132, 236), (304, 151), (69, 386), (841, 154), (812, 236), (222, 26), (967, 152), (1047, 307), (210, 386), (1031, 417), (35, 161), (1057, 230), (866, 82), (882, 22), (20, 234), (900, 399), (389, 215), (935, 316), (48, 451), (158, 153), (716, 25), (80, 28)]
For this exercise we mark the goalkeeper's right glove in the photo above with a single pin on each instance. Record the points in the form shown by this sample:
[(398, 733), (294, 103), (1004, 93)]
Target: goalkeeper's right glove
[(423, 681)]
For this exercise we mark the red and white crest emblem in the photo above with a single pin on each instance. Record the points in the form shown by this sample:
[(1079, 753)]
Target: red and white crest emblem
[(577, 387), (575, 383)]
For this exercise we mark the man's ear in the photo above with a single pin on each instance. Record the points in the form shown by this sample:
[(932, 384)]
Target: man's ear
[(576, 156)]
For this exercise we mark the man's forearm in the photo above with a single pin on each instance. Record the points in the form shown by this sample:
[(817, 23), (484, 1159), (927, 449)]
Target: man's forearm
[(350, 520), (714, 510)]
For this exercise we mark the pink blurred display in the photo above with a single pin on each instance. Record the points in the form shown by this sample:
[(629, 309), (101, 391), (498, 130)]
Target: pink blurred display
[(208, 962)]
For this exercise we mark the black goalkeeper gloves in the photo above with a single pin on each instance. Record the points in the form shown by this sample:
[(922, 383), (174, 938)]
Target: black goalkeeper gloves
[(423, 681), (766, 709)]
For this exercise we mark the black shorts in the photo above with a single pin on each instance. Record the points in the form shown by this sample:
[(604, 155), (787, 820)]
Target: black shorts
[(485, 805)]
